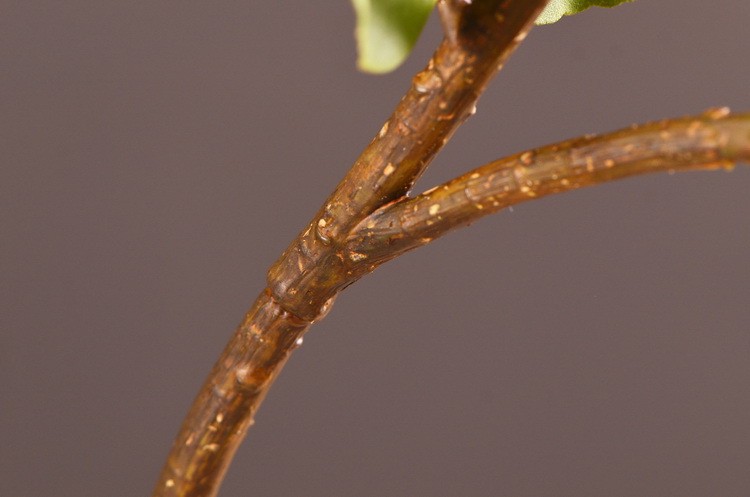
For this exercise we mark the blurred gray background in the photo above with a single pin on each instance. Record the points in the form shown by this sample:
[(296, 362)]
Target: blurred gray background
[(156, 157)]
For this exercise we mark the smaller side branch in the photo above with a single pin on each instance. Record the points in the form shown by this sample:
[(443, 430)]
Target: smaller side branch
[(713, 140)]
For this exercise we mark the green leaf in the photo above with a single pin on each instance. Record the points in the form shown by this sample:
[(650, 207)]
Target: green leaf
[(558, 8), (387, 30)]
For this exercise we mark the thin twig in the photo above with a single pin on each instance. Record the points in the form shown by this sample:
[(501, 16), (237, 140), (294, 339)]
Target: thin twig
[(481, 35), (711, 141), (225, 406)]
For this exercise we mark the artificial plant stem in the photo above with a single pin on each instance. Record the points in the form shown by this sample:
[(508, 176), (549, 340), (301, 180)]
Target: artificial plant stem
[(710, 141), (227, 402), (480, 36)]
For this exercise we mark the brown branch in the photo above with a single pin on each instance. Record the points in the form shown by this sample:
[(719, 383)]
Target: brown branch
[(480, 37), (227, 402), (368, 219), (710, 141), (303, 283)]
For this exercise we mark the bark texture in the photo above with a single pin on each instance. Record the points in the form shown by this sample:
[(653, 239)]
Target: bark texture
[(227, 402), (370, 219), (480, 38), (713, 140), (303, 283)]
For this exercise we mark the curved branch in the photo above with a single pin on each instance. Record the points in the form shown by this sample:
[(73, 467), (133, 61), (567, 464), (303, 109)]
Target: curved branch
[(228, 400), (304, 281), (710, 141), (481, 35)]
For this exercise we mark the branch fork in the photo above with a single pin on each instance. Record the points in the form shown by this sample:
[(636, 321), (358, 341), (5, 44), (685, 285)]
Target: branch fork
[(480, 36), (369, 218)]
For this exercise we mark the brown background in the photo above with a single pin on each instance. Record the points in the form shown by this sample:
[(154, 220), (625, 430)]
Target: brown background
[(158, 156)]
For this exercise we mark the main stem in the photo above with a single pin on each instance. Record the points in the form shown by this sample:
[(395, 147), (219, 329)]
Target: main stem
[(225, 406), (480, 36)]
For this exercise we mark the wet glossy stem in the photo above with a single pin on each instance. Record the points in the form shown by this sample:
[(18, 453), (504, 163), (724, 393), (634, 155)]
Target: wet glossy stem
[(710, 141), (227, 402)]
